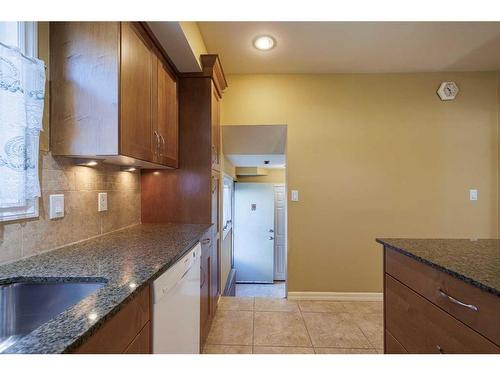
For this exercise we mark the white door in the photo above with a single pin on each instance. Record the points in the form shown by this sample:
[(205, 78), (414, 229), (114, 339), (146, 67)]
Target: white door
[(253, 232), (279, 232)]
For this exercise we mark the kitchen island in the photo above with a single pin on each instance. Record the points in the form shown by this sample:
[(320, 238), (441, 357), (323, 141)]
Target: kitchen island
[(125, 262), (441, 295)]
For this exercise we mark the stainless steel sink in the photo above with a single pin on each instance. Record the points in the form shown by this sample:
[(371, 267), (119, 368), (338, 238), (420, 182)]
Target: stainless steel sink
[(24, 306)]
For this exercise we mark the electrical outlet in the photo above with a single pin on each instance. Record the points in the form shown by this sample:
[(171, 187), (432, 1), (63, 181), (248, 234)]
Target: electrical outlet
[(473, 194), (295, 195), (102, 199), (56, 206)]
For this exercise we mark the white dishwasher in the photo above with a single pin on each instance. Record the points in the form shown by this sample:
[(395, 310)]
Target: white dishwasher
[(176, 307)]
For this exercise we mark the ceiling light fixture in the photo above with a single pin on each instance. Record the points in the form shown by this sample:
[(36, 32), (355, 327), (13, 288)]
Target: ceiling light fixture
[(264, 42)]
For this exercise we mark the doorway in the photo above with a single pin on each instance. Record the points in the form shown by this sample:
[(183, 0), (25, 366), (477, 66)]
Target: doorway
[(260, 239), (257, 156)]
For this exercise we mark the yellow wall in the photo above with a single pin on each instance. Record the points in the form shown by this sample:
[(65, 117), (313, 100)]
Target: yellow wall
[(375, 155), (194, 38), (273, 176), (498, 134)]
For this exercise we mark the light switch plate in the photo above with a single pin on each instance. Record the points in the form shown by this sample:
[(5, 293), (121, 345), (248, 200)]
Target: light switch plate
[(473, 194), (102, 202), (295, 195), (56, 206)]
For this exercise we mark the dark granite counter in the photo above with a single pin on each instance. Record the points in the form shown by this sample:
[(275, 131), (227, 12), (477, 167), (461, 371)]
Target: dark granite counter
[(476, 262), (127, 259)]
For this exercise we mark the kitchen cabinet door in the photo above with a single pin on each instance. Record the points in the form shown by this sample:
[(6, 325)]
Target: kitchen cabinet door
[(215, 264), (167, 116), (215, 186), (215, 129), (136, 133), (120, 333), (205, 276), (141, 343)]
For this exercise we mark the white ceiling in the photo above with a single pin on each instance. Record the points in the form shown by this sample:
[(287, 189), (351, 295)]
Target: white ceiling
[(356, 47)]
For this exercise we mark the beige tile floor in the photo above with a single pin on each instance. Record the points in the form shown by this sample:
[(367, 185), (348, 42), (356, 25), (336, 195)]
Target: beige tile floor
[(245, 325), (275, 290)]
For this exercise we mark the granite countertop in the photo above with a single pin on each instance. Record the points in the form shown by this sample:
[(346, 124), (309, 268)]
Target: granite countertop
[(476, 262), (128, 259)]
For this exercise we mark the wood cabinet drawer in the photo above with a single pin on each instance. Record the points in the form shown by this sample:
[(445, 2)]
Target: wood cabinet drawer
[(392, 346), (421, 327), (115, 335), (435, 285)]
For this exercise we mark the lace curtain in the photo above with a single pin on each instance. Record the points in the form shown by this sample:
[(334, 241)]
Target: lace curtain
[(22, 91)]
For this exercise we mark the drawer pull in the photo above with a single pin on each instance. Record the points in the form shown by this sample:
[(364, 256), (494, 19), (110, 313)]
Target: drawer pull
[(440, 349), (456, 301)]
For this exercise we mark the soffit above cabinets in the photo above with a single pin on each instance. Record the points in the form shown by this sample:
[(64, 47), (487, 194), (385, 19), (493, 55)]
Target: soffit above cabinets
[(172, 38), (355, 47), (254, 139), (261, 146), (275, 160)]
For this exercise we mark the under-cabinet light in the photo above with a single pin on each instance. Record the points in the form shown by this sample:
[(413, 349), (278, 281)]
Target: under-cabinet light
[(128, 169), (86, 162)]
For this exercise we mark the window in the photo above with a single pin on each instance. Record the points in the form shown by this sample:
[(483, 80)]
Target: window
[(22, 91), (227, 204)]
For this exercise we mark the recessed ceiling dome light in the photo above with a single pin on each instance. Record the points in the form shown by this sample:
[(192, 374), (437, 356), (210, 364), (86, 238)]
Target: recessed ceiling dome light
[(264, 43)]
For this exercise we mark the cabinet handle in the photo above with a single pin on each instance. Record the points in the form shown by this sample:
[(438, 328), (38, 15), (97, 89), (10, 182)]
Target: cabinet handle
[(206, 241), (157, 145), (440, 349), (457, 302), (163, 145), (202, 275)]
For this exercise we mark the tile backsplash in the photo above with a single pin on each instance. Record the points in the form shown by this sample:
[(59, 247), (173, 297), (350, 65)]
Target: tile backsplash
[(80, 186)]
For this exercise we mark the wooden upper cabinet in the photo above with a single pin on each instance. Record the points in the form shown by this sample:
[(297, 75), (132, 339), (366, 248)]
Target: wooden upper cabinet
[(113, 95), (136, 137), (215, 108), (167, 124)]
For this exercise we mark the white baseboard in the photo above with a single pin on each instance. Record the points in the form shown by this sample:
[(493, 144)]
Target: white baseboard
[(336, 296)]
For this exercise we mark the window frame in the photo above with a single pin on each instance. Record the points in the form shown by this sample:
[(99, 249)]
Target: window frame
[(27, 39)]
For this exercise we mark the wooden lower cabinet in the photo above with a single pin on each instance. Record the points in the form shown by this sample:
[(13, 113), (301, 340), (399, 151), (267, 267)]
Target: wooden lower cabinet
[(205, 275), (419, 320), (392, 345), (208, 285), (214, 277), (129, 331), (142, 342), (422, 327), (435, 285)]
